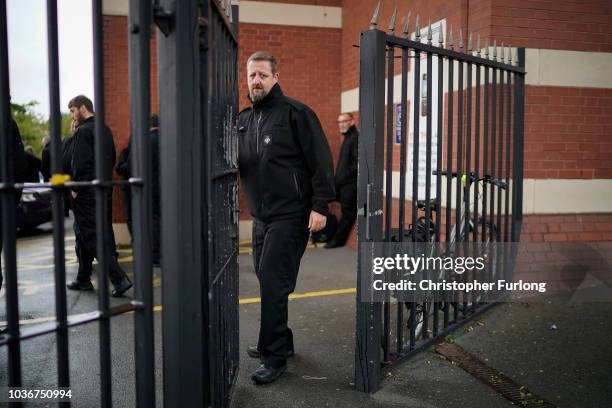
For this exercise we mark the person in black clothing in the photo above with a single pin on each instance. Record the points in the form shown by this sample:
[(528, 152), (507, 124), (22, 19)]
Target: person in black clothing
[(82, 168), (33, 165), (124, 169), (17, 167), (286, 170), (45, 167), (346, 180)]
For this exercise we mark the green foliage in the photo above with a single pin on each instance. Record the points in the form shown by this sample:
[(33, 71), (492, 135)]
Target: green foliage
[(33, 126)]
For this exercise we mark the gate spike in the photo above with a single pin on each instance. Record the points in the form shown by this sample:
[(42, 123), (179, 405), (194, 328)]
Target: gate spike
[(417, 30), (391, 29), (503, 53), (487, 48), (441, 37), (460, 39), (494, 50), (469, 44), (516, 59), (407, 26), (374, 21), (451, 38), (509, 54), (478, 45), (429, 33)]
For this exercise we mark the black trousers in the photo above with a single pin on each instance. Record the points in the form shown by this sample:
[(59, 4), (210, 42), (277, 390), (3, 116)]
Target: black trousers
[(347, 194), (84, 209), (278, 247)]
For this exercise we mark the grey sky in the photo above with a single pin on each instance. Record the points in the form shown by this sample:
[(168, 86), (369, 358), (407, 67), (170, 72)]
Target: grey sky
[(27, 36)]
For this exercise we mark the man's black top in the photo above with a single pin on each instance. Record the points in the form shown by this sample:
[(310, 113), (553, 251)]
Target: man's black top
[(46, 161), (124, 162), (82, 165), (286, 167), (16, 154), (346, 169), (34, 165)]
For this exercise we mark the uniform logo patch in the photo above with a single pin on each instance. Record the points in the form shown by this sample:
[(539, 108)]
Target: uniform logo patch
[(267, 140)]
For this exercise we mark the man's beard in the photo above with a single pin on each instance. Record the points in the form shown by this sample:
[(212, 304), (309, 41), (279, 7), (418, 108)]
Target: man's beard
[(255, 98)]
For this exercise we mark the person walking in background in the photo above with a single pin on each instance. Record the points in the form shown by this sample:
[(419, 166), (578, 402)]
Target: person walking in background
[(346, 180), (124, 169), (82, 168), (45, 167), (33, 166), (17, 167)]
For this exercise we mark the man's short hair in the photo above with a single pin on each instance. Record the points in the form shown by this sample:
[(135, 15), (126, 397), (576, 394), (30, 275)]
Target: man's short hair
[(81, 100), (154, 121), (349, 114), (264, 56)]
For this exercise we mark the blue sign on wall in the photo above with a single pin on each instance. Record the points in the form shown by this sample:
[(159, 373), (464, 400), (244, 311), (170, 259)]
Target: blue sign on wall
[(398, 123)]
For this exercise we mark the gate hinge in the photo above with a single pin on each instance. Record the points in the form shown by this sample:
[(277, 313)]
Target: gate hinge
[(163, 18)]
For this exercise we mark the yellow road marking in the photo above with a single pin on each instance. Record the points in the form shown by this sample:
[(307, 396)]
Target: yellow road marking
[(241, 301)]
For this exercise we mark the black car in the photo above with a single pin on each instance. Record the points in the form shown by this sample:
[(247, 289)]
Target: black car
[(34, 208)]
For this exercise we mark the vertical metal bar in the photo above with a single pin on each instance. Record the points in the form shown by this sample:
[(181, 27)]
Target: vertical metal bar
[(61, 310), (402, 192), (507, 160), (459, 186), (416, 102), (9, 249), (182, 219), (436, 323), (485, 153), (468, 150), (500, 147), (449, 169), (428, 147), (477, 172), (139, 30), (492, 232), (519, 114), (371, 142), (102, 209), (388, 190)]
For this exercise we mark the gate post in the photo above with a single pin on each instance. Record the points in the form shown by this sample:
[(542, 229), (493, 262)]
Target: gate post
[(181, 147), (517, 176), (369, 202)]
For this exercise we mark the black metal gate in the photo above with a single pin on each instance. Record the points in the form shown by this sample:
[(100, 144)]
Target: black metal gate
[(197, 65), (466, 108)]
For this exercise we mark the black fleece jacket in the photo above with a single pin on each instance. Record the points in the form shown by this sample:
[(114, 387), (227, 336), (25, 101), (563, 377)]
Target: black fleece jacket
[(286, 167)]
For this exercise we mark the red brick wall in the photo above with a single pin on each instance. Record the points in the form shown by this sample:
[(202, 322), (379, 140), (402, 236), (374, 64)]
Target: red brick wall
[(568, 133), (565, 25), (569, 227), (309, 61)]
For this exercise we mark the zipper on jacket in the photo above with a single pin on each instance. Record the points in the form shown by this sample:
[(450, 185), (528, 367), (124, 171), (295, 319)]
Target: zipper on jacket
[(257, 132), (297, 186)]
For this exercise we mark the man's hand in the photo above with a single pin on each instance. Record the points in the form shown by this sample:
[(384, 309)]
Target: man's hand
[(73, 125), (317, 221), (74, 194)]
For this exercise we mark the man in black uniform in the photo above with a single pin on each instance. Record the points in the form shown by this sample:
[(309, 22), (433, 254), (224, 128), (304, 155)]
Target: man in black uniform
[(124, 169), (346, 180), (17, 166), (286, 171), (82, 168)]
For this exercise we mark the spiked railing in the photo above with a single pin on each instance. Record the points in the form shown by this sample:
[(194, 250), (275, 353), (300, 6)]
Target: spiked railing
[(466, 102)]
